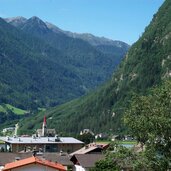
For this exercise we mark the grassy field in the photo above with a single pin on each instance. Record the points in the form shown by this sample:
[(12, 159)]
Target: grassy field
[(41, 109), (2, 109), (103, 142), (119, 142), (128, 142), (17, 111)]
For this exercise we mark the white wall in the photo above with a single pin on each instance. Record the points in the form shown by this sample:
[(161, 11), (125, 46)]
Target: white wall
[(1, 167), (79, 168), (34, 167)]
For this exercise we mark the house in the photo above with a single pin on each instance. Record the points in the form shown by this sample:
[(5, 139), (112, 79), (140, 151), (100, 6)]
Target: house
[(45, 144), (7, 157), (128, 138), (117, 137), (101, 136), (92, 148), (86, 131), (61, 158), (10, 129), (84, 162), (33, 164)]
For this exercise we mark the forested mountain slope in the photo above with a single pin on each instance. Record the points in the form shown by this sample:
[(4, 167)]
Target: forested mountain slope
[(31, 71), (40, 68), (147, 64), (114, 46)]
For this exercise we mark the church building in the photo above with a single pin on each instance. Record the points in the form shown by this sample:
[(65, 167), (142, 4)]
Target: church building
[(44, 132)]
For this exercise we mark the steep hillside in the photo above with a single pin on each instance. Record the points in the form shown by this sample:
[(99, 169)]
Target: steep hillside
[(147, 64), (30, 71), (40, 68)]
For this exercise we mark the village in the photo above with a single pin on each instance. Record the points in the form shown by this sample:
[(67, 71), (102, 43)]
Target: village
[(46, 150)]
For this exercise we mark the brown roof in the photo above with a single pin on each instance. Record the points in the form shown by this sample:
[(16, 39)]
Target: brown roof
[(90, 148), (55, 157), (85, 150), (64, 159), (32, 160), (6, 157), (87, 160)]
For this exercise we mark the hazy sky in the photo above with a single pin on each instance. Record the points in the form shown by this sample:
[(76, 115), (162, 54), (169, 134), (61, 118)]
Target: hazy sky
[(123, 20)]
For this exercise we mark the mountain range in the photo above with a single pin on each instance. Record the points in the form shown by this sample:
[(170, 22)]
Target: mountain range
[(43, 67), (147, 64)]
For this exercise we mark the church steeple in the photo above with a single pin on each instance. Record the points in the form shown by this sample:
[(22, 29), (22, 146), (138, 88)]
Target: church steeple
[(44, 121), (44, 127)]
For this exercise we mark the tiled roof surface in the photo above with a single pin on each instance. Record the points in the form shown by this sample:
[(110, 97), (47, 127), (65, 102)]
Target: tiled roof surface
[(32, 160), (90, 147), (6, 157), (88, 160), (84, 150), (64, 159)]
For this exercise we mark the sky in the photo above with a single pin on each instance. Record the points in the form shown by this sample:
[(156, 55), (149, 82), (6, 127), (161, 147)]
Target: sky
[(123, 20)]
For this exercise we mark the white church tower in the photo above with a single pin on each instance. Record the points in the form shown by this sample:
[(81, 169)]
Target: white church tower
[(44, 127), (16, 129)]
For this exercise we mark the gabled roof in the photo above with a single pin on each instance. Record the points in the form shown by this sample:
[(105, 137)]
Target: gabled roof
[(86, 150), (32, 160), (64, 158), (90, 148), (87, 160), (8, 157)]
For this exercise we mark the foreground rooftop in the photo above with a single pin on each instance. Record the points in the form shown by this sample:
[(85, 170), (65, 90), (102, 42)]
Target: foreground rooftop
[(33, 160)]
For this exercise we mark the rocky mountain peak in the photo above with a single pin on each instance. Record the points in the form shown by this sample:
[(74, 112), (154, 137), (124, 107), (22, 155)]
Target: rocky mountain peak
[(35, 25), (16, 21)]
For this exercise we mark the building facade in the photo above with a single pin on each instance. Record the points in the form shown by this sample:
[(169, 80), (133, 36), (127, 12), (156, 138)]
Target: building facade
[(44, 144)]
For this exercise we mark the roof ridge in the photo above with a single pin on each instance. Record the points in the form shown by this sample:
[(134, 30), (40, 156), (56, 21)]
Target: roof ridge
[(33, 159)]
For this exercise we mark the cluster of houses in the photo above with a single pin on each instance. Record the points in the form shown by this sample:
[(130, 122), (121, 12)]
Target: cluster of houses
[(47, 151)]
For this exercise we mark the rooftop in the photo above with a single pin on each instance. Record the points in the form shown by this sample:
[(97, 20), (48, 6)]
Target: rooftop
[(8, 157), (33, 160), (87, 160), (40, 140), (90, 147)]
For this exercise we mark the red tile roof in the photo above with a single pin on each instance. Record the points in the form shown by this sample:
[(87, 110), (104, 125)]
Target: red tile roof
[(32, 160)]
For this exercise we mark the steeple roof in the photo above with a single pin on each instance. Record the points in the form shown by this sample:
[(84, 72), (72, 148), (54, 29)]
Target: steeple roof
[(44, 121)]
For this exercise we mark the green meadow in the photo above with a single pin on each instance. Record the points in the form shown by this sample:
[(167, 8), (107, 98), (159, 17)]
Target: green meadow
[(7, 107)]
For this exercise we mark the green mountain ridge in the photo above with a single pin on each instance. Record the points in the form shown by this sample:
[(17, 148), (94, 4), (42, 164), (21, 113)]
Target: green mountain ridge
[(39, 68), (146, 65), (102, 44), (80, 53), (23, 66)]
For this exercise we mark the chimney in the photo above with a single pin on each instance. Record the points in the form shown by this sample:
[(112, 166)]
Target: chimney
[(34, 153), (17, 158)]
